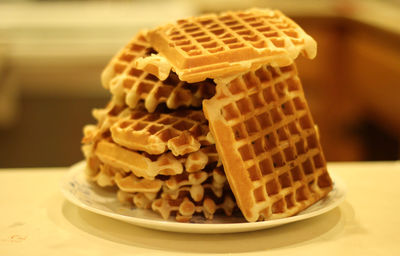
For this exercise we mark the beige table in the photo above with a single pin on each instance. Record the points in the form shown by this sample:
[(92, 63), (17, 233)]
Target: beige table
[(36, 220)]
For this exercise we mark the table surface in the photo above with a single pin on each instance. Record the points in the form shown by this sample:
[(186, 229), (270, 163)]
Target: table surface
[(35, 219)]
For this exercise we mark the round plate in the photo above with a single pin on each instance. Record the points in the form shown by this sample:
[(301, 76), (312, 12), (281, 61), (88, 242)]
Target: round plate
[(82, 193)]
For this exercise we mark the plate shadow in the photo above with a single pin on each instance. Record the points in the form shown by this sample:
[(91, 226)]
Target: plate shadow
[(325, 226)]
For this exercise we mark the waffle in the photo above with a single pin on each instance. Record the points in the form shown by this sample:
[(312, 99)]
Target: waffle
[(109, 173), (182, 131), (184, 208), (133, 184), (268, 143), (213, 46), (206, 189), (198, 160), (131, 161), (105, 118), (140, 200), (195, 183), (189, 193), (155, 65), (130, 85), (171, 187), (142, 165), (99, 173)]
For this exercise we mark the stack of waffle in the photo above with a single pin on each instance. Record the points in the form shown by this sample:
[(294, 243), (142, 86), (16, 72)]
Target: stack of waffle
[(208, 114)]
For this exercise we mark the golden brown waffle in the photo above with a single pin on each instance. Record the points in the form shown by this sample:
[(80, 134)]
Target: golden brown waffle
[(133, 184), (140, 200), (99, 173), (184, 208), (130, 161), (129, 85), (268, 144), (155, 65), (205, 188), (173, 186), (195, 184), (189, 193), (143, 165), (198, 160), (182, 131), (212, 46), (105, 118)]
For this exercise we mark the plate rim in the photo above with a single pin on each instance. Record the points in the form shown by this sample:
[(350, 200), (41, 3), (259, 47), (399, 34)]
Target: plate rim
[(183, 227)]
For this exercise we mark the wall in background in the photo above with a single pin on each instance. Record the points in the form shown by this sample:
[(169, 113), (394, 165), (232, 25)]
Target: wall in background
[(51, 59)]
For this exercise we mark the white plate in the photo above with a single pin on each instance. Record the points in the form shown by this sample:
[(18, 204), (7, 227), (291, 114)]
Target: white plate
[(82, 193)]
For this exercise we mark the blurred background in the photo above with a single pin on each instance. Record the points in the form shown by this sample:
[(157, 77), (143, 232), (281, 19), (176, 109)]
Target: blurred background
[(52, 54)]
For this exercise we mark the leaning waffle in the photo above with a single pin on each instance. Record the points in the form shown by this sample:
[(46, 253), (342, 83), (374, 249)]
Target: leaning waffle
[(129, 85), (182, 131), (268, 144), (213, 46)]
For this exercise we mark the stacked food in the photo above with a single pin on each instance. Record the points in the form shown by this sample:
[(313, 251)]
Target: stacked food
[(208, 114)]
